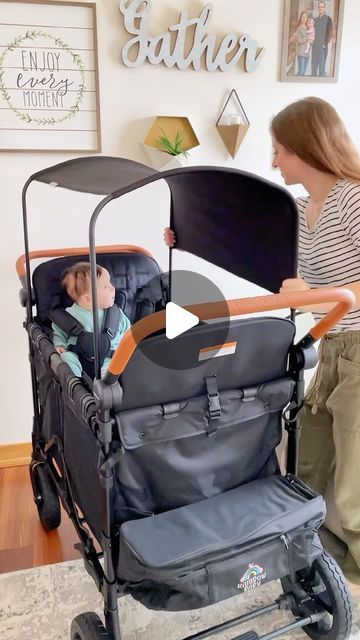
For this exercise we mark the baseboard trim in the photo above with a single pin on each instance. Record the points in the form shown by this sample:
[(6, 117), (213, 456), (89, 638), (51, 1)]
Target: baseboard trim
[(15, 455)]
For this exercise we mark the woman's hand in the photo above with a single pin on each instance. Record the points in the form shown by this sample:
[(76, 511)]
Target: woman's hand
[(169, 237), (293, 284)]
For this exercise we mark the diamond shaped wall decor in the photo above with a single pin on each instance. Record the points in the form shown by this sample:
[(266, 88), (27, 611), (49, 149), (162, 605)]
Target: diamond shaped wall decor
[(233, 123)]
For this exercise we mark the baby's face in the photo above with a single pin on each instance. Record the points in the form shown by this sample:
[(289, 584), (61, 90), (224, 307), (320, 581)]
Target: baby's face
[(105, 290)]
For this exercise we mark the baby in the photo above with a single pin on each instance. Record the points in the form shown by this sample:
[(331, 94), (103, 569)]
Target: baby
[(310, 30), (77, 282)]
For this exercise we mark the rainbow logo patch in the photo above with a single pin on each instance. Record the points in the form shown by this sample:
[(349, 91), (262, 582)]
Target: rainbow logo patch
[(252, 578)]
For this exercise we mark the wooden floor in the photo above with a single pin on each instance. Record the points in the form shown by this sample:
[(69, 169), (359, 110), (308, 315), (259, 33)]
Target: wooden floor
[(23, 542)]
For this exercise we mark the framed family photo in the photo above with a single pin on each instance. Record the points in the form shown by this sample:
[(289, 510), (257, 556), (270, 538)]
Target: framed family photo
[(49, 97), (311, 40)]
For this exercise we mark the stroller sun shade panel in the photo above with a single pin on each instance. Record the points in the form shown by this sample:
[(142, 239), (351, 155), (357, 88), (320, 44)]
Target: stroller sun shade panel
[(238, 218), (227, 217)]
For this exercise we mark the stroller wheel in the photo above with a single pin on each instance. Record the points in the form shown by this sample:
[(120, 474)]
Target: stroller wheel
[(45, 496), (88, 626), (322, 586)]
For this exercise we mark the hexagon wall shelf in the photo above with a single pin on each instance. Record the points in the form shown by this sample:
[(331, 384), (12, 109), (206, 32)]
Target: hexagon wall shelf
[(170, 125)]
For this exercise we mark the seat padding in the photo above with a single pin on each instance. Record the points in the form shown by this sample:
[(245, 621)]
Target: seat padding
[(128, 272), (261, 354)]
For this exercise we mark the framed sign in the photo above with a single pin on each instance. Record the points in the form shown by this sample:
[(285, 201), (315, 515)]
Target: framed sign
[(311, 40), (49, 96)]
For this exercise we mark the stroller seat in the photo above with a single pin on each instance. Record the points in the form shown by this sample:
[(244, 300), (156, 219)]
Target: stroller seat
[(217, 548)]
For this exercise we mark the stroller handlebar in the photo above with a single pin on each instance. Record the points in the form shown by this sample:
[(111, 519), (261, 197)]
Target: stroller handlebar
[(344, 298), (75, 251)]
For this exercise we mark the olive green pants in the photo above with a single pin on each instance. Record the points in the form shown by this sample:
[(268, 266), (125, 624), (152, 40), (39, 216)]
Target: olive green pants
[(330, 436)]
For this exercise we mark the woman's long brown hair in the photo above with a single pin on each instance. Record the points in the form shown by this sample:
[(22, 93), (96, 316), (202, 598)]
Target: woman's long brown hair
[(312, 129)]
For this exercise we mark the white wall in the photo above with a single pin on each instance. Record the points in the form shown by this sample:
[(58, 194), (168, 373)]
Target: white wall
[(129, 97)]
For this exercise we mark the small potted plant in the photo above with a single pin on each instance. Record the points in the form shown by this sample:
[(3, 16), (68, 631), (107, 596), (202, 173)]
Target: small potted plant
[(168, 141), (173, 147)]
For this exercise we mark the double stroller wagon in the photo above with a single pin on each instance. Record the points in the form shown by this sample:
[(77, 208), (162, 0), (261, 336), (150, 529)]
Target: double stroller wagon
[(169, 460)]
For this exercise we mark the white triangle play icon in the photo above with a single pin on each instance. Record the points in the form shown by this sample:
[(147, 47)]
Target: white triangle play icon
[(178, 320)]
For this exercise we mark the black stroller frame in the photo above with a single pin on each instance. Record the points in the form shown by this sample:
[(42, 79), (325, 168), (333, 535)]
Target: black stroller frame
[(229, 193)]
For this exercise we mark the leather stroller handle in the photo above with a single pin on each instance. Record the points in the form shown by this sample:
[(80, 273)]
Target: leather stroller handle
[(75, 251), (344, 298)]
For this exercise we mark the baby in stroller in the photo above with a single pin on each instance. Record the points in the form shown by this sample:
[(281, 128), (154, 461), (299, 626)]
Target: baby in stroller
[(73, 327)]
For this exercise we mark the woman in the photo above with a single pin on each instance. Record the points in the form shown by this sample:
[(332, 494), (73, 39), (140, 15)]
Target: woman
[(302, 43), (313, 148)]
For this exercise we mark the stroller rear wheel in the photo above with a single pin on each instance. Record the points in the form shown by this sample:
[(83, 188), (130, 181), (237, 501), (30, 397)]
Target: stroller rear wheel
[(322, 586), (45, 496), (88, 626)]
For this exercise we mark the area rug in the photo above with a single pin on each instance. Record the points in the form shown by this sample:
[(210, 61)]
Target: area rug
[(40, 604)]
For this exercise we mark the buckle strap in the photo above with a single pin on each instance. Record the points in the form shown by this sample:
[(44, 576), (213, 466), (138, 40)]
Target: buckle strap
[(214, 401), (170, 410), (249, 394), (111, 321)]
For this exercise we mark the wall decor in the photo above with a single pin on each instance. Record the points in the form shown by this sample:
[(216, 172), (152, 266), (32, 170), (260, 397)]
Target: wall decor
[(233, 126), (48, 76), (168, 141), (170, 47), (311, 40)]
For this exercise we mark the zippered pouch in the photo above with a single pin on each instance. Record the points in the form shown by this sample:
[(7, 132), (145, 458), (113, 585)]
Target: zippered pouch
[(203, 553)]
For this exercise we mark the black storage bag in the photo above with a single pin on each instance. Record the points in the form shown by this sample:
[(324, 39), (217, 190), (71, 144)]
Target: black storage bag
[(175, 455), (175, 452), (203, 553)]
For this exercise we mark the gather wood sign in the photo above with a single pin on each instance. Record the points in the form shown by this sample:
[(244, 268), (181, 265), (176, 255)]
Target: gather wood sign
[(170, 47)]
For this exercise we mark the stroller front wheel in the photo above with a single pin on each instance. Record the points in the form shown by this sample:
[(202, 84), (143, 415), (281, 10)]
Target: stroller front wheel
[(45, 496), (88, 626), (322, 586)]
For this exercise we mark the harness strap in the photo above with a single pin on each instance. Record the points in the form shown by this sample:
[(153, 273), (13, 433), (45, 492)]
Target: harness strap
[(66, 321), (84, 347), (111, 321)]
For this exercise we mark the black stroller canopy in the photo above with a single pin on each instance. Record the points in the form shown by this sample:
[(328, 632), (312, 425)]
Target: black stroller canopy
[(233, 219), (101, 175)]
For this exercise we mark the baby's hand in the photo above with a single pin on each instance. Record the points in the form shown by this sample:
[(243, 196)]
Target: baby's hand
[(60, 349), (169, 237)]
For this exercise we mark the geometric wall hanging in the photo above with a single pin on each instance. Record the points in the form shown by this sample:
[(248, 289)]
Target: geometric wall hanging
[(174, 128), (234, 123)]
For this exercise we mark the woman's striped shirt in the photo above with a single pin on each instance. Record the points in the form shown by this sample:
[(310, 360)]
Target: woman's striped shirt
[(329, 254)]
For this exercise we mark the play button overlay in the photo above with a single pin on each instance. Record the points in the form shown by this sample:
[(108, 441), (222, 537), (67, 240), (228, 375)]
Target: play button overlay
[(187, 341), (178, 320)]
